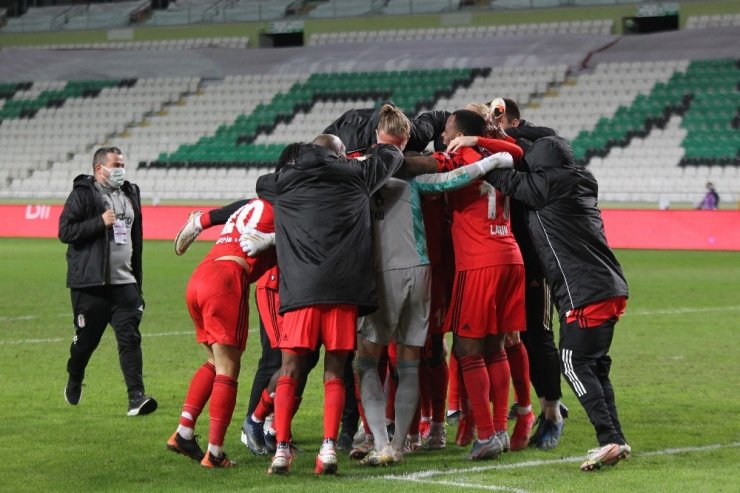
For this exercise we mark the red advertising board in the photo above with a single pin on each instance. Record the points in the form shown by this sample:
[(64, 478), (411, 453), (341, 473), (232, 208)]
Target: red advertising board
[(650, 229)]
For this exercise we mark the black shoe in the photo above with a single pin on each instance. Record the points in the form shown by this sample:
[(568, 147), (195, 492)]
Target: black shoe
[(512, 412), (189, 448), (564, 410), (345, 442), (141, 404), (270, 443), (73, 392)]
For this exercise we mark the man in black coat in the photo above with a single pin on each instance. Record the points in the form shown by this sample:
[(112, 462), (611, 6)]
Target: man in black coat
[(586, 280), (101, 223), (324, 246), (538, 339), (356, 129)]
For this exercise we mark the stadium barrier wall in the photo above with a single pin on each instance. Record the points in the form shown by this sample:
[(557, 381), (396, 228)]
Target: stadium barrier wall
[(648, 229)]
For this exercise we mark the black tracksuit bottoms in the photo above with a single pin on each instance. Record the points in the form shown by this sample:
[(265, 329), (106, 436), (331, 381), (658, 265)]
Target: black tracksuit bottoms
[(94, 308), (585, 363), (539, 339)]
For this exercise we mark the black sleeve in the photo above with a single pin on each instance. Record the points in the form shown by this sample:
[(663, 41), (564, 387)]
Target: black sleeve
[(425, 128), (381, 163), (74, 223), (137, 233), (530, 188), (355, 128), (220, 216), (530, 132)]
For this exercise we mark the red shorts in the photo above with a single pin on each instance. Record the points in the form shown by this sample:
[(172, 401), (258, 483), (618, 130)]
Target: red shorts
[(217, 296), (486, 301), (597, 313), (268, 304), (334, 325)]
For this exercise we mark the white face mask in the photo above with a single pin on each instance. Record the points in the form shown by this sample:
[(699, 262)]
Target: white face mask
[(116, 177)]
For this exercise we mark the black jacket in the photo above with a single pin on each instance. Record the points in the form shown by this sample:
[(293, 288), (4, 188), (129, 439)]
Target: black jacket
[(81, 227), (356, 129), (565, 224), (323, 228), (525, 134)]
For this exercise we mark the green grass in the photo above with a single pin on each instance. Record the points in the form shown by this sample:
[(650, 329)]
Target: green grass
[(675, 372)]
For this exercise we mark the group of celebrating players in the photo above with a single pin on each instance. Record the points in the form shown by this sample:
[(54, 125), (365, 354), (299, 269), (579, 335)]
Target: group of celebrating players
[(363, 242)]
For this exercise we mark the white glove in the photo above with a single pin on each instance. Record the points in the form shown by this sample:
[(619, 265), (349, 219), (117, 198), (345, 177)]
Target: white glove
[(254, 242), (494, 161)]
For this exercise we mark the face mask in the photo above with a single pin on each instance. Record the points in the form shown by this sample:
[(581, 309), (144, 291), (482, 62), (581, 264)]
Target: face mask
[(116, 177)]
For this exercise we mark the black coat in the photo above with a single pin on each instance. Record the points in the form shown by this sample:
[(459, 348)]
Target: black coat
[(565, 224), (81, 226), (356, 129), (323, 231), (525, 134)]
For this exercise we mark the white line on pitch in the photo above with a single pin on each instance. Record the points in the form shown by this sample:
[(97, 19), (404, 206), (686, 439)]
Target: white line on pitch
[(678, 311), (473, 486), (423, 475), (33, 317)]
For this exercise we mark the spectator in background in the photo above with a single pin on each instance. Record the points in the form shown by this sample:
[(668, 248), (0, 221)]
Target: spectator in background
[(711, 198), (101, 224)]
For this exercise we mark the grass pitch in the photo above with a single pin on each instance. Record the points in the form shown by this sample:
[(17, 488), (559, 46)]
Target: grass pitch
[(675, 373)]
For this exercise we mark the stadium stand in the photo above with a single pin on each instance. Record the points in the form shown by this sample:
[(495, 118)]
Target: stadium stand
[(194, 138), (164, 44), (601, 26), (395, 7), (705, 21), (75, 17)]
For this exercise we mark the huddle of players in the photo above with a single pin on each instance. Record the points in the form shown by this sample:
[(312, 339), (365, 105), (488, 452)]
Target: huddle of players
[(323, 204)]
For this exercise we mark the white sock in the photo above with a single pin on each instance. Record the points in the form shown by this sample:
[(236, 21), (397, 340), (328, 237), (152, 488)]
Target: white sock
[(255, 419), (215, 450), (373, 400), (407, 399), (186, 432), (521, 411)]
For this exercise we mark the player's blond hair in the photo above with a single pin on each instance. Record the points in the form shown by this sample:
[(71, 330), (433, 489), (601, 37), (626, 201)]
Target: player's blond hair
[(394, 122), (482, 109)]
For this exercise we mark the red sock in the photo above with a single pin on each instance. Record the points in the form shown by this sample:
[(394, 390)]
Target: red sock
[(475, 379), (333, 407), (360, 409), (519, 365), (296, 405), (205, 220), (284, 402), (500, 376), (265, 406), (425, 391), (223, 400), (198, 394), (439, 375), (453, 391)]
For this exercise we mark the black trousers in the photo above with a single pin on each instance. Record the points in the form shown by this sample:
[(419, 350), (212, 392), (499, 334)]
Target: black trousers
[(544, 366), (585, 363), (122, 307)]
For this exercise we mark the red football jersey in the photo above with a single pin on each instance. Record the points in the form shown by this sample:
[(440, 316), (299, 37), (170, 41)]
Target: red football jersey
[(481, 224), (256, 214)]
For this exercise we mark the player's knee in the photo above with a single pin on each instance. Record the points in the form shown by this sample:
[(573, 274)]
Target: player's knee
[(363, 365)]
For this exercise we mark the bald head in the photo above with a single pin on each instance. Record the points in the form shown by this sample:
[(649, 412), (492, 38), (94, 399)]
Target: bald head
[(331, 142)]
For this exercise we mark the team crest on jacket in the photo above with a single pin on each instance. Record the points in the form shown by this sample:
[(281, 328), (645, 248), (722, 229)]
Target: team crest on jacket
[(81, 321)]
